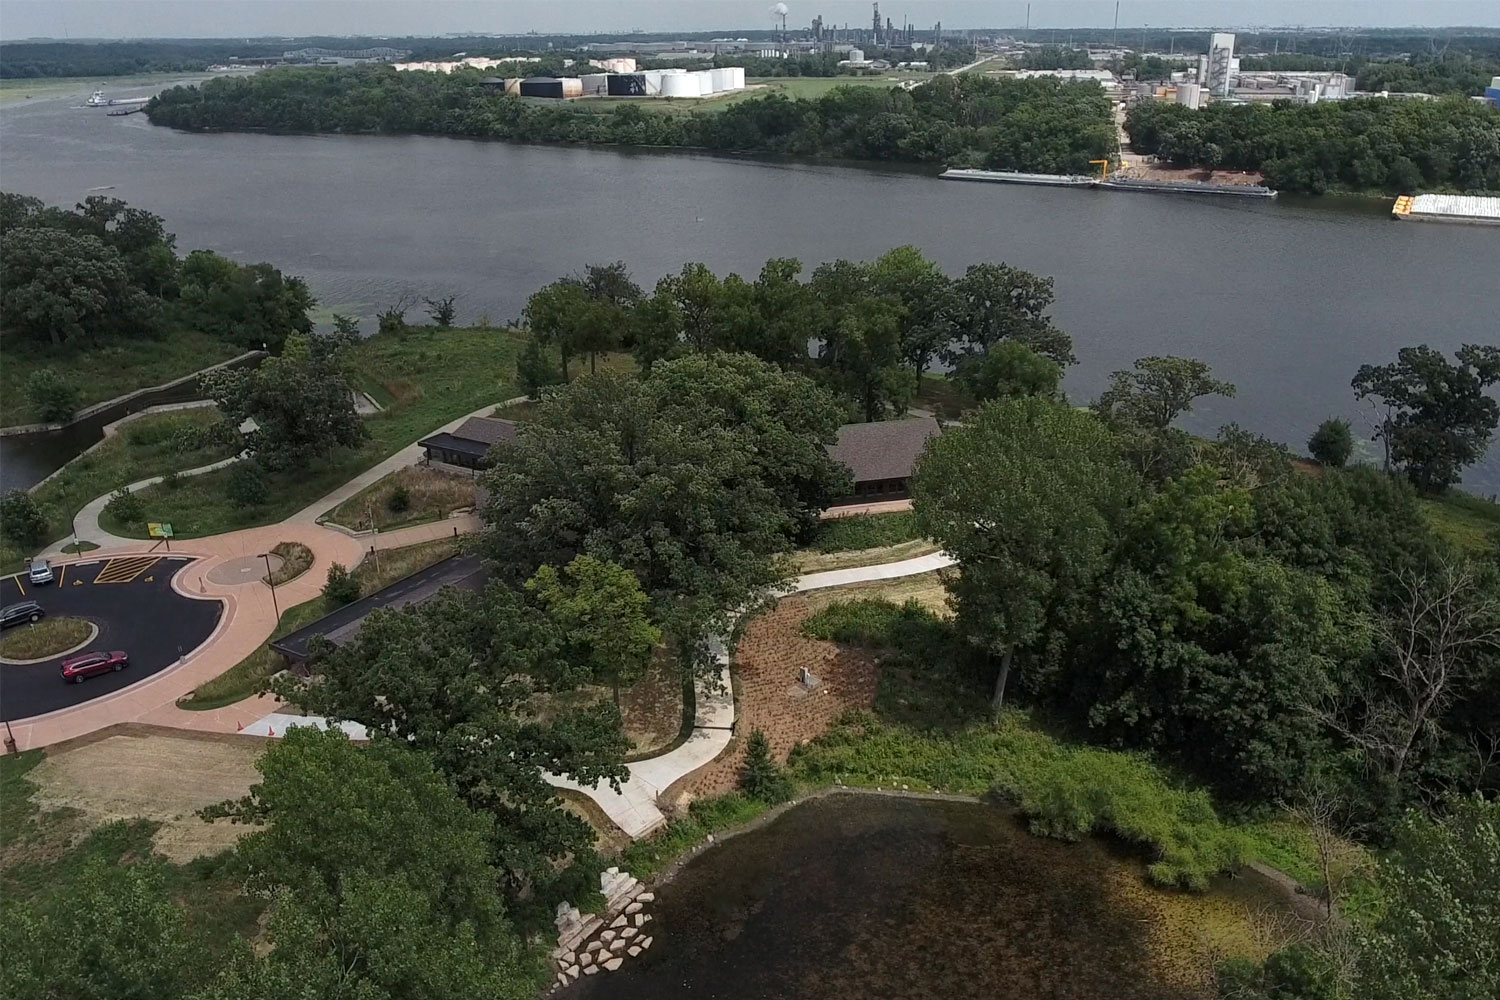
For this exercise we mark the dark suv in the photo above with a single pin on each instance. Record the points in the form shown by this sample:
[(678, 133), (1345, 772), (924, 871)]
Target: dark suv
[(21, 614)]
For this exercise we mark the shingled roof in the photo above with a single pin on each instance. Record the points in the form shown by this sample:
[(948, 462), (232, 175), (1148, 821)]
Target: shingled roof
[(883, 449), (474, 436)]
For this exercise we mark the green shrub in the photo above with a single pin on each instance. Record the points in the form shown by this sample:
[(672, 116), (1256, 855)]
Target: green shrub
[(1332, 443), (535, 370), (645, 858), (342, 588), (125, 506), (873, 622), (399, 500), (247, 485), (865, 531), (172, 481), (21, 518), (761, 777), (52, 399)]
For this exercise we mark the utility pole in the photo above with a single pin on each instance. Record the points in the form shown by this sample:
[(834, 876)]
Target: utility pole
[(1028, 19), (1115, 41), (271, 579), (374, 537)]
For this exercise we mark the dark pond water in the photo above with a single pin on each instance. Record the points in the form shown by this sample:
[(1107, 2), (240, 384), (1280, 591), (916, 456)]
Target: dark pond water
[(1286, 298), (870, 897)]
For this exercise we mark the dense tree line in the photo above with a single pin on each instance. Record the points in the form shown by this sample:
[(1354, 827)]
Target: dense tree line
[(105, 270), (1357, 145), (1036, 125), (1460, 73), (1056, 57), (874, 327)]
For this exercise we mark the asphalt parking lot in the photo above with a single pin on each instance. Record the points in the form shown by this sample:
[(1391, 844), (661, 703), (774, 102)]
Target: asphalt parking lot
[(132, 601)]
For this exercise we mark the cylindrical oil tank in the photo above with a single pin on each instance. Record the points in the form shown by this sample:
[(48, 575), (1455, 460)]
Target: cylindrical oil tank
[(736, 78), (572, 86), (542, 86), (595, 84), (627, 84), (722, 80), (679, 85), (513, 84)]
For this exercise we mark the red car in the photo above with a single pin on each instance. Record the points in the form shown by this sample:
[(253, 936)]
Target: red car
[(76, 668)]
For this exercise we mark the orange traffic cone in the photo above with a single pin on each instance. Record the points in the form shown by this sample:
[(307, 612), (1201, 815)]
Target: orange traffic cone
[(239, 727), (270, 730)]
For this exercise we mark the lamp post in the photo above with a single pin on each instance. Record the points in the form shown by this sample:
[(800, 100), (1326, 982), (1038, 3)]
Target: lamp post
[(271, 579)]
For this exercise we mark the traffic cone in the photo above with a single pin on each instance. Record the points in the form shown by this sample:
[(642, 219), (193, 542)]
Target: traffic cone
[(270, 730), (239, 727)]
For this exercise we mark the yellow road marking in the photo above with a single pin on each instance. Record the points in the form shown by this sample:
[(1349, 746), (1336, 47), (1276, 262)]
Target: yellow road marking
[(125, 569), (62, 571), (19, 587)]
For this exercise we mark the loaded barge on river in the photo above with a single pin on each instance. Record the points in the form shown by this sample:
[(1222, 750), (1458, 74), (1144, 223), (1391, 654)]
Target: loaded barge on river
[(1473, 209), (1111, 184)]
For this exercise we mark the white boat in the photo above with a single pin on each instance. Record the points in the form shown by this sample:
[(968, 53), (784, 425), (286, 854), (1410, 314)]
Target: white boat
[(98, 100)]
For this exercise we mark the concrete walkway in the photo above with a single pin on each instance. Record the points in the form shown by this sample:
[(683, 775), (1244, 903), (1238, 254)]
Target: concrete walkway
[(633, 808), (86, 526), (410, 455)]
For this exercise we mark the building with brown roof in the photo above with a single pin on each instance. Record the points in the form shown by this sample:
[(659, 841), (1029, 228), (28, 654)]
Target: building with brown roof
[(467, 445), (882, 455)]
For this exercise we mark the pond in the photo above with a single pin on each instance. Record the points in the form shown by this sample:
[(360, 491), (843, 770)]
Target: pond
[(863, 896)]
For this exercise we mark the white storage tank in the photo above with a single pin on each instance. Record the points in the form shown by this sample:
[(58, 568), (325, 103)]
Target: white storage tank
[(653, 81), (705, 79), (572, 86), (736, 78), (595, 84), (722, 80), (680, 85)]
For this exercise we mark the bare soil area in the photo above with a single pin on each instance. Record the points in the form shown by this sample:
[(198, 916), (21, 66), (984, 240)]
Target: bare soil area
[(162, 778), (1166, 172)]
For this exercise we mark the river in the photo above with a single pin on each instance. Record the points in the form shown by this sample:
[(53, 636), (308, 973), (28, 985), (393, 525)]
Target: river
[(853, 897), (1284, 298)]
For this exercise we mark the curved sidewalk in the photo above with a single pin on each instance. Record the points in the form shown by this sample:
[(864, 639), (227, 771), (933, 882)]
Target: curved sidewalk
[(633, 808), (248, 621)]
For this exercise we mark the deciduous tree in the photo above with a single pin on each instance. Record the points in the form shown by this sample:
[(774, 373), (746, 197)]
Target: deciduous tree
[(1028, 496), (603, 615), (1437, 417)]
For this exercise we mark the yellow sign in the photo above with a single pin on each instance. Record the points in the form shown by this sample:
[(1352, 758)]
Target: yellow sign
[(158, 529)]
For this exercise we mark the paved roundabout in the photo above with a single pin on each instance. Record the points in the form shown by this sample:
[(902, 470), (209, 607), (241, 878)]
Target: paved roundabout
[(131, 600)]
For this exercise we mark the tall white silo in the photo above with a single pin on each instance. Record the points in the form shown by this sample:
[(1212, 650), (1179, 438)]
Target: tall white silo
[(679, 85), (736, 78)]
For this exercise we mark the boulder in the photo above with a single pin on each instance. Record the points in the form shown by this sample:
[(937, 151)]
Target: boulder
[(593, 947), (634, 950), (591, 970), (647, 943), (618, 921), (571, 971), (614, 964), (645, 897), (587, 958), (640, 919), (626, 933), (635, 907)]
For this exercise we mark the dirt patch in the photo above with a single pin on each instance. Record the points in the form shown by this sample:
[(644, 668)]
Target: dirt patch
[(406, 496), (1162, 172), (769, 696), (651, 708), (160, 778)]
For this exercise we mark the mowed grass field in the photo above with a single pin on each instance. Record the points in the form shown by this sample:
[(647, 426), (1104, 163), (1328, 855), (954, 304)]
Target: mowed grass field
[(756, 87)]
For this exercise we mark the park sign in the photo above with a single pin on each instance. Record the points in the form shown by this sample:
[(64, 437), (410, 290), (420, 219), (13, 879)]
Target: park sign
[(159, 529)]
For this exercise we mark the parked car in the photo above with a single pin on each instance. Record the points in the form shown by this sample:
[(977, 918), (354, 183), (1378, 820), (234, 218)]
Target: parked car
[(21, 614), (41, 572), (77, 668)]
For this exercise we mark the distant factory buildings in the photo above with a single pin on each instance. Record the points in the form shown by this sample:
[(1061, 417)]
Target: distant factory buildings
[(1216, 68), (642, 83)]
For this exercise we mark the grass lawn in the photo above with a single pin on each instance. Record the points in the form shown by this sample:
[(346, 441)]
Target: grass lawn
[(247, 677), (108, 371), (1468, 521), (142, 449), (43, 850), (429, 495), (863, 540), (424, 377), (47, 637), (42, 88)]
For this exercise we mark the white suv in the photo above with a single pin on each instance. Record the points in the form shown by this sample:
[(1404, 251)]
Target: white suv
[(41, 572)]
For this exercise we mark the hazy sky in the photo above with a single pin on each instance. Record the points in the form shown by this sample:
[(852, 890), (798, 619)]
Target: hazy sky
[(241, 18)]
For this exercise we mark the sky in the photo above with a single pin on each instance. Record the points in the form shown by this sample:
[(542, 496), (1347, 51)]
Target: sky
[(261, 18)]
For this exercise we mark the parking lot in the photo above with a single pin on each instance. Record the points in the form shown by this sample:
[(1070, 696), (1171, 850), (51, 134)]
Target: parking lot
[(132, 602)]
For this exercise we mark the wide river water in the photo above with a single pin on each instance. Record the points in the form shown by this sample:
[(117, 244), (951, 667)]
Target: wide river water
[(856, 897), (1284, 298)]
